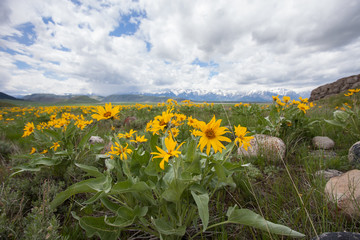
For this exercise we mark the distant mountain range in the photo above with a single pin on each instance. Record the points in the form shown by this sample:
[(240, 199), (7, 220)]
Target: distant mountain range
[(162, 96), (231, 96)]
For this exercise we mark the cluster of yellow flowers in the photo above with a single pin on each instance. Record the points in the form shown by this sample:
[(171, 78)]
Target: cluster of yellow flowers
[(303, 104), (211, 134), (351, 92)]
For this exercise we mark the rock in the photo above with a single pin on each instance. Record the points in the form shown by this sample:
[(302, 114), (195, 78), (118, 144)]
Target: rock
[(354, 153), (323, 154), (264, 145), (321, 142), (338, 236), (328, 173), (345, 191), (95, 139), (336, 87)]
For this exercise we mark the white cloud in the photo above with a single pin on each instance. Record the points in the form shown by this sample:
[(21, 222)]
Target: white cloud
[(255, 44)]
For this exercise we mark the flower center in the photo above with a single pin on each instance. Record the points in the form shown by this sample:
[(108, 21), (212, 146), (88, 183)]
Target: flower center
[(209, 133), (107, 114), (31, 129)]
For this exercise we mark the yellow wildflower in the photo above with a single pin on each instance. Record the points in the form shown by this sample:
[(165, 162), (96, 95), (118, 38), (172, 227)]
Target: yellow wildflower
[(303, 100), (127, 135), (286, 99), (55, 146), (105, 113), (32, 150), (211, 135), (303, 107), (275, 98), (170, 145), (121, 151), (139, 139), (28, 129), (280, 103), (241, 139)]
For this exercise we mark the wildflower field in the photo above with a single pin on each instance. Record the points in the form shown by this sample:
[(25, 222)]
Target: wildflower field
[(171, 170)]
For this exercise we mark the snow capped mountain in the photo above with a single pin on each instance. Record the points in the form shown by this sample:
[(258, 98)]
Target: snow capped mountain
[(228, 95)]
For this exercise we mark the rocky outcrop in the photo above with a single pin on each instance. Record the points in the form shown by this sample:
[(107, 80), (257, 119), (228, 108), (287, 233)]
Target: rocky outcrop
[(339, 86)]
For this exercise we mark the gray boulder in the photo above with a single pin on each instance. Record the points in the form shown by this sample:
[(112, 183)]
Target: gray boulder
[(266, 146), (344, 191), (95, 139), (321, 142), (354, 153)]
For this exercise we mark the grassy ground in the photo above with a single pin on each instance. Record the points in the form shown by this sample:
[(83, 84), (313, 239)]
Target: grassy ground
[(285, 192)]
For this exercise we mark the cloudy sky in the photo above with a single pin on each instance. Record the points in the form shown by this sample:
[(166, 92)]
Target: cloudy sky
[(119, 46)]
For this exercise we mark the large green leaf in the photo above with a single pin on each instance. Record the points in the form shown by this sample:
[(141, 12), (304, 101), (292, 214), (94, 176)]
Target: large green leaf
[(154, 142), (126, 216), (341, 116), (163, 226), (202, 202), (249, 218), (92, 171), (25, 168), (128, 186), (92, 185), (109, 204), (94, 198), (45, 161), (193, 158), (335, 123), (174, 191), (97, 226)]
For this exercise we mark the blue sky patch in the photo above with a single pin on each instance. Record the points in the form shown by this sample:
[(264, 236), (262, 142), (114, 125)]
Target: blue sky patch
[(8, 50), (28, 34), (64, 49), (148, 46), (76, 2), (213, 73), (205, 64), (128, 24), (46, 20), (22, 65)]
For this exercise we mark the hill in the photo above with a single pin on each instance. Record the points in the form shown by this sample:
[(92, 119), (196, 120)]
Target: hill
[(5, 96), (63, 99), (81, 99)]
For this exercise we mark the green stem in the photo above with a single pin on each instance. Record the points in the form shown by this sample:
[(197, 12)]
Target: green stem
[(149, 230), (117, 200), (214, 225)]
